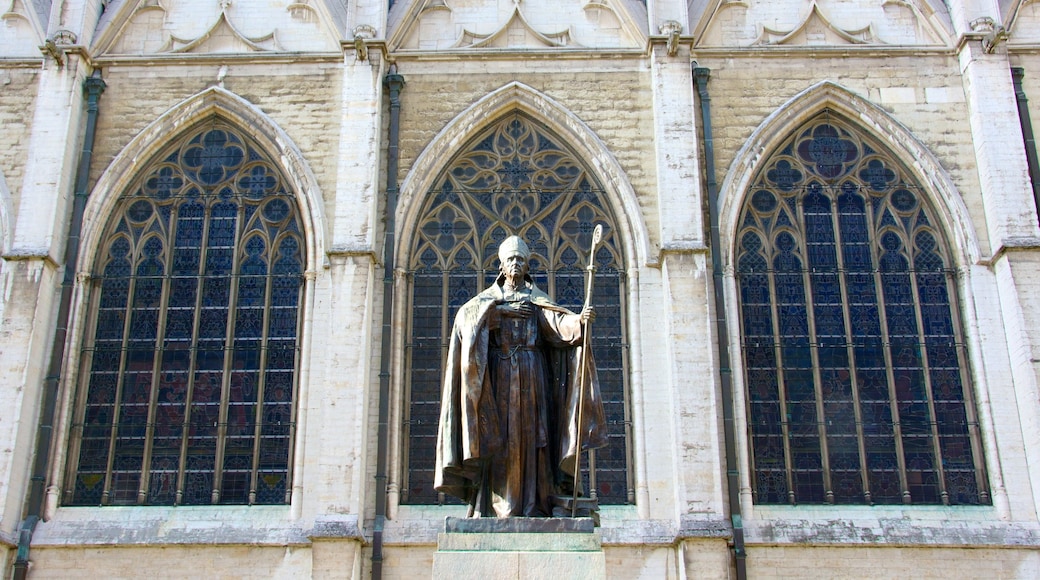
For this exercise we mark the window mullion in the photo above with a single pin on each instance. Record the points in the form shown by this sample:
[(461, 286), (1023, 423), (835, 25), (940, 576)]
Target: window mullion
[(261, 381), (974, 437), (117, 406), (86, 370), (182, 464), (925, 370), (229, 357), (157, 368), (406, 407), (850, 349), (781, 381), (893, 399), (630, 486), (446, 333), (814, 353), (301, 306)]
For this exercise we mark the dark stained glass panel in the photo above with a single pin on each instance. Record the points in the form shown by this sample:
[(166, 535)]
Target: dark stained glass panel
[(188, 393), (855, 368), (514, 179)]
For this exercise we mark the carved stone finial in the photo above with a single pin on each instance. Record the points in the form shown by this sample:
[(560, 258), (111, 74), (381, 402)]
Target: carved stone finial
[(224, 5), (669, 27), (364, 31), (983, 24), (64, 37), (672, 30)]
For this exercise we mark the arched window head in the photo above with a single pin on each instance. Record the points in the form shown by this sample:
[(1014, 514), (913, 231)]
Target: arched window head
[(855, 364), (189, 375), (515, 178)]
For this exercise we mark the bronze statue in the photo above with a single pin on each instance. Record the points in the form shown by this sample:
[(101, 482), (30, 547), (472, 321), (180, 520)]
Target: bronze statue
[(509, 435)]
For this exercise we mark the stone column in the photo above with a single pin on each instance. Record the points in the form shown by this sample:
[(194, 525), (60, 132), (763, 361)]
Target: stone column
[(1010, 246), (33, 270)]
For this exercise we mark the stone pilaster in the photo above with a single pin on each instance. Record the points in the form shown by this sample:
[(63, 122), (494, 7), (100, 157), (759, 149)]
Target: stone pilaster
[(675, 142), (356, 206)]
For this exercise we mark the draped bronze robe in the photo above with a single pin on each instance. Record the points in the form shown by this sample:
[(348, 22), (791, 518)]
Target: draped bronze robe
[(507, 440)]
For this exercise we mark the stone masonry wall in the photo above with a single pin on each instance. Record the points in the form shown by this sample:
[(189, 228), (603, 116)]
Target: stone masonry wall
[(922, 92), (868, 563), (615, 104), (302, 98), (17, 94), (217, 562)]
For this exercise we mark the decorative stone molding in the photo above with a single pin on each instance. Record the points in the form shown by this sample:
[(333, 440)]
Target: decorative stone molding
[(672, 30), (223, 28), (816, 21), (983, 24), (503, 37)]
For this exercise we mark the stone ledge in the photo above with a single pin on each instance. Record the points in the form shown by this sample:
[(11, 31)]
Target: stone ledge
[(518, 525), (893, 532), (156, 526)]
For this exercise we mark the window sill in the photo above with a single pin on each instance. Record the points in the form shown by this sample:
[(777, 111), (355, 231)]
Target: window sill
[(934, 526), (199, 525)]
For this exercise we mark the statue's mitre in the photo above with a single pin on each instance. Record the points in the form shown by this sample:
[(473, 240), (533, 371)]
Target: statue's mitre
[(511, 246)]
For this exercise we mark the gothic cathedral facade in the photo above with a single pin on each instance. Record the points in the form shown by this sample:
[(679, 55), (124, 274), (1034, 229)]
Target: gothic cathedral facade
[(234, 235)]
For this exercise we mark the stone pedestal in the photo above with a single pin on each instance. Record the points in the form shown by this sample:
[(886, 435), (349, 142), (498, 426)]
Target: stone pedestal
[(526, 548)]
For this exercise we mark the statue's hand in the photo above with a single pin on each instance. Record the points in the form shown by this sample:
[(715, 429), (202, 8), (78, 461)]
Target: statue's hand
[(522, 309), (588, 314)]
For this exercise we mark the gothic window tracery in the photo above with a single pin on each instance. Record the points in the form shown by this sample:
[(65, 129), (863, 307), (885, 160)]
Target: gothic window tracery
[(188, 378), (856, 370), (514, 178)]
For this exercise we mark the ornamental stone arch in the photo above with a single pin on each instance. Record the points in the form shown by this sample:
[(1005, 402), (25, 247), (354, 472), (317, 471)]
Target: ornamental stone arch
[(513, 163), (859, 155), (937, 184), (258, 277), (245, 117), (575, 133)]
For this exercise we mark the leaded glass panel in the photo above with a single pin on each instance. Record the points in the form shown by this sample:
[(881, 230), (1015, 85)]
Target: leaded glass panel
[(515, 178), (189, 379), (855, 367)]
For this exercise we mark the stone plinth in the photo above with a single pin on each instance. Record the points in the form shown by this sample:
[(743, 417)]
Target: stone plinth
[(519, 548)]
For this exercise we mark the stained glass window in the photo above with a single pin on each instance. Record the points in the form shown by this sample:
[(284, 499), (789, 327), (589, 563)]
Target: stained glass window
[(189, 375), (516, 178), (855, 365)]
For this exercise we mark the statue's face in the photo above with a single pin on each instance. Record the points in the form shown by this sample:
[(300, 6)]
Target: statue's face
[(515, 265)]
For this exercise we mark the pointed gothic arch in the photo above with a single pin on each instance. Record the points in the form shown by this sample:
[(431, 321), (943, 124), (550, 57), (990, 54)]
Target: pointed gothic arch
[(855, 366), (246, 117), (573, 131), (922, 164), (515, 174), (190, 328)]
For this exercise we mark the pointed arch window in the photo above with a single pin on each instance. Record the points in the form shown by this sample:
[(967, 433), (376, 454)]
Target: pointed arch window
[(189, 373), (514, 178), (855, 365)]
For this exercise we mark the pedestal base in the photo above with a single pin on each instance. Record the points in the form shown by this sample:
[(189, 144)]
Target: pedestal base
[(557, 548)]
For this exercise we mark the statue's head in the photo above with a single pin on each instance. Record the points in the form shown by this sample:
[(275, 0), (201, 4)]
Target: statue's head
[(514, 253)]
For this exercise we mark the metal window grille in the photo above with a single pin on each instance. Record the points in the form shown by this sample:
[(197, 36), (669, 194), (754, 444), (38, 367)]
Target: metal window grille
[(514, 178), (855, 364), (189, 374)]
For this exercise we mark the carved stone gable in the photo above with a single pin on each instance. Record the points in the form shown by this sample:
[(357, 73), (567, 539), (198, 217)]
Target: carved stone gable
[(517, 25), (217, 26), (821, 23)]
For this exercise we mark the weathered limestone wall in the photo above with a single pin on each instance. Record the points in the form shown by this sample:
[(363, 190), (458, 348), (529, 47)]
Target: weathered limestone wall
[(302, 98), (746, 90), (612, 97), (17, 96), (869, 563), (623, 562), (187, 561)]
